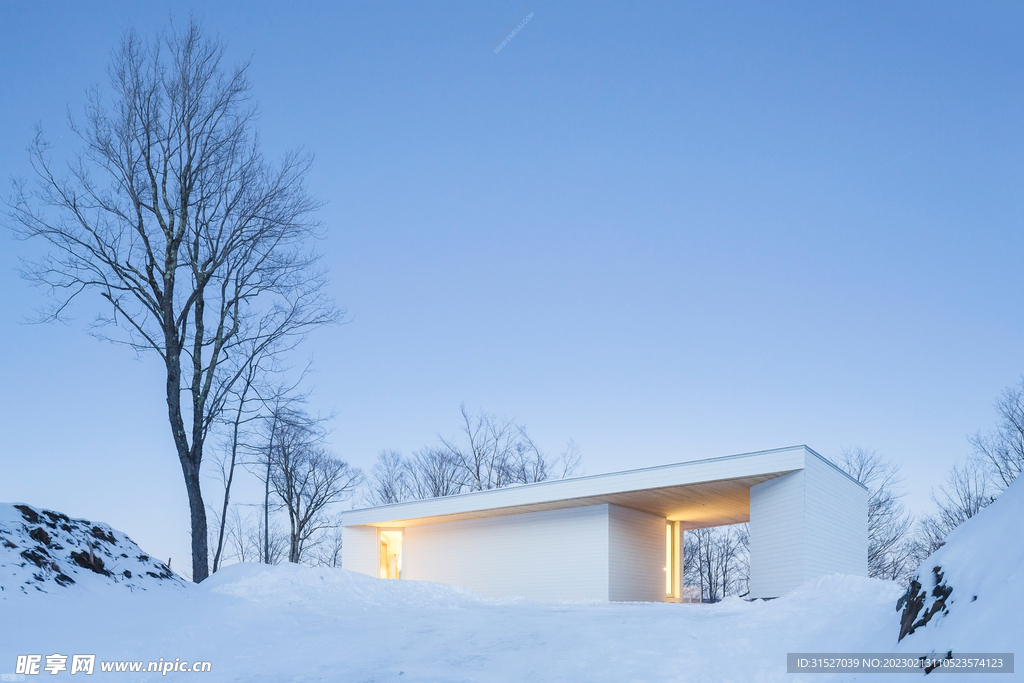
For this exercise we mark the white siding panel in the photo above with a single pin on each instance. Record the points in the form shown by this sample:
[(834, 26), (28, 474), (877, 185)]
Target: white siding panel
[(836, 530), (636, 555), (804, 525), (550, 555), (359, 549), (777, 535)]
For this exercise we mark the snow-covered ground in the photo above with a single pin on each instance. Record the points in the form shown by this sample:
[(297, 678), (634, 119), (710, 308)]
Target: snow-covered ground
[(292, 623)]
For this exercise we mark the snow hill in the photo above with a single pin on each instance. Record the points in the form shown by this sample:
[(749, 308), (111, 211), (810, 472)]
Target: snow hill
[(293, 623), (966, 597), (45, 551)]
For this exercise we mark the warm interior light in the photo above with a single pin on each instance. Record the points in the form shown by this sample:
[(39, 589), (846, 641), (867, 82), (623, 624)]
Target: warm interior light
[(668, 559), (390, 553)]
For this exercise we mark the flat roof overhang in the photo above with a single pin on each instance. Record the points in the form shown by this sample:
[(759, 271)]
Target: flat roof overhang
[(700, 493)]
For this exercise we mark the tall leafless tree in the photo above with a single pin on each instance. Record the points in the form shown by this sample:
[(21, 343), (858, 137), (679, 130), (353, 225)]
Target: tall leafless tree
[(308, 480), (890, 554), (282, 413), (255, 406), (197, 246)]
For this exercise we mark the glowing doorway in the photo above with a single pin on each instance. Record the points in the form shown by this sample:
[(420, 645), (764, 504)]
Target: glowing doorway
[(390, 553), (672, 553)]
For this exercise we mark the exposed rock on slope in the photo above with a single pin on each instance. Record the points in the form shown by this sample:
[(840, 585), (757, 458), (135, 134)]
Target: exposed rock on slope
[(966, 598), (913, 602), (42, 550)]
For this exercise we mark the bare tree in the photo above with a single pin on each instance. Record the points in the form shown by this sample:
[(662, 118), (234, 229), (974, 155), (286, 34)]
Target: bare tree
[(484, 455), (327, 547), (568, 463), (196, 245), (239, 541), (967, 490), (716, 559), (929, 535), (435, 473), (691, 569), (244, 542), (528, 464), (1002, 449), (308, 480), (889, 523), (492, 453), (741, 578), (496, 452), (254, 404), (271, 542), (969, 487), (391, 480), (281, 412), (242, 413)]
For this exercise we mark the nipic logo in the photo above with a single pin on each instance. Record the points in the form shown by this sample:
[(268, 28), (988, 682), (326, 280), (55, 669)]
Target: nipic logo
[(30, 665)]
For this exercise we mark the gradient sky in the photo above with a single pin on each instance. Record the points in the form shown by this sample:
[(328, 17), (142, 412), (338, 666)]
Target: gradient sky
[(668, 232)]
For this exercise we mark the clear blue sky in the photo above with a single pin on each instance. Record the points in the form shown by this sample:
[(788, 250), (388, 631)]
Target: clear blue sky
[(667, 231)]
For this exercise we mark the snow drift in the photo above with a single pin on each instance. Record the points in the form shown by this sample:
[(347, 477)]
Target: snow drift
[(966, 597), (44, 551), (326, 589), (63, 590)]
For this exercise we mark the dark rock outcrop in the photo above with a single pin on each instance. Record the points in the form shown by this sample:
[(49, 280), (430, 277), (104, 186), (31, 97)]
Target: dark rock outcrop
[(43, 550), (915, 614)]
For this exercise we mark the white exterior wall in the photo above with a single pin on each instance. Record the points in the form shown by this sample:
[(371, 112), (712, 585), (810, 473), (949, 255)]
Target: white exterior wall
[(776, 535), (550, 555), (636, 555), (836, 535), (359, 549), (803, 525)]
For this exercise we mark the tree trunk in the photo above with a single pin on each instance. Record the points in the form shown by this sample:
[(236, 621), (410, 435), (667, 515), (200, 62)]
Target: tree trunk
[(189, 459), (266, 491), (266, 515), (200, 549)]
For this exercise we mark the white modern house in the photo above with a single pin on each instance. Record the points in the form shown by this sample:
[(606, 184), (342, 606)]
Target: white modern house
[(617, 536)]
